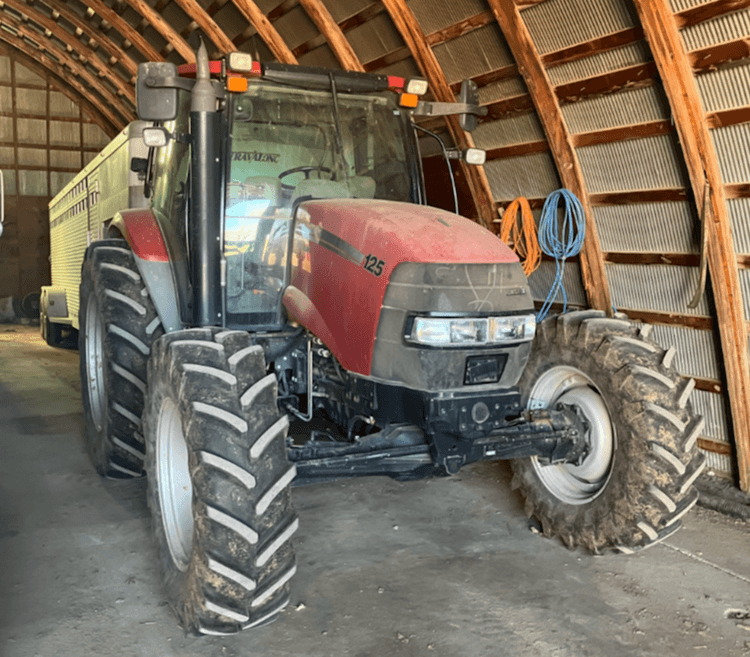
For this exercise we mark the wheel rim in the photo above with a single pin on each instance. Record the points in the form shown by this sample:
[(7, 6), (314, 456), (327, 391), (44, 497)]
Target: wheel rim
[(577, 484), (95, 362), (174, 485)]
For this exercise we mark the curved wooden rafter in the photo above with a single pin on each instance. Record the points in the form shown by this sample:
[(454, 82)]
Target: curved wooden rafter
[(126, 30), (76, 67), (67, 38), (702, 162), (112, 125), (116, 54), (162, 27), (412, 34), (266, 31), (550, 115), (333, 34)]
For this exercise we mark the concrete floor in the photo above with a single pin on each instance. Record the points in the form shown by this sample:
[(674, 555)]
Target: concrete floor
[(444, 567)]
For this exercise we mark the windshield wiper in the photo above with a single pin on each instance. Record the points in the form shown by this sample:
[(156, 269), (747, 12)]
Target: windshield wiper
[(337, 122)]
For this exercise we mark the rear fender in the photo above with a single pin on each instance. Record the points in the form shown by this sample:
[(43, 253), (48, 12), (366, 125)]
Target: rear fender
[(141, 231)]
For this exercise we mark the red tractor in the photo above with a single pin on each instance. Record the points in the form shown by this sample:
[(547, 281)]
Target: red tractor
[(287, 268)]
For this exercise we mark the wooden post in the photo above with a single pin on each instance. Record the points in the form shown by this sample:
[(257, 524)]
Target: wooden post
[(680, 86), (407, 25), (328, 27), (548, 110)]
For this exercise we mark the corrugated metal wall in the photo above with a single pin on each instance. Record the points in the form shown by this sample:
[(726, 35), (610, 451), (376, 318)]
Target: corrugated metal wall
[(44, 144)]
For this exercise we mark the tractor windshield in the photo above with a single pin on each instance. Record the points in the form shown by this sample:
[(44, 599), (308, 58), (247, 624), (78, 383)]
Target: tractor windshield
[(285, 148)]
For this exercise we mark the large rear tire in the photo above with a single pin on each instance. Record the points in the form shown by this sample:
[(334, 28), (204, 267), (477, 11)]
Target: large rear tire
[(118, 323), (219, 483), (636, 481)]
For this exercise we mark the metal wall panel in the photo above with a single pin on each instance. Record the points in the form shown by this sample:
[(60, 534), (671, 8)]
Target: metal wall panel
[(732, 142), (6, 99), (93, 136), (662, 288), (477, 52), (58, 180), (724, 28), (510, 88), (611, 60), (739, 214), (321, 56), (646, 227), (614, 110), (61, 105), (65, 159), (431, 19), (679, 5), (696, 349), (25, 76), (718, 464), (32, 183), (374, 38), (745, 287), (711, 407), (725, 88), (533, 176), (296, 27), (541, 281), (517, 129), (557, 24), (31, 131), (33, 157), (4, 69), (341, 9), (636, 164), (64, 133)]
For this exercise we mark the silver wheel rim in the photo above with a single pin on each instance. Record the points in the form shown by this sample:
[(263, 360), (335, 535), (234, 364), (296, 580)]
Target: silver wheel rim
[(577, 484), (95, 362), (174, 485)]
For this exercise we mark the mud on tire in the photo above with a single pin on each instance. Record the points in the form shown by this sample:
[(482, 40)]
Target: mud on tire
[(636, 482), (118, 323), (219, 481)]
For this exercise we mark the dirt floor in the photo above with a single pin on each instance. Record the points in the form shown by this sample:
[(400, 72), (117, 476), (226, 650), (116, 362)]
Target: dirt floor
[(444, 567)]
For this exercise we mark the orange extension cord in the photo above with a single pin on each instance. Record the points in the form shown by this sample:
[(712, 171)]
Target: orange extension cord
[(521, 236)]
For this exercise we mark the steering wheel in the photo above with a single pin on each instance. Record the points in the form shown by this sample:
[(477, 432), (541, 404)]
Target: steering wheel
[(307, 170)]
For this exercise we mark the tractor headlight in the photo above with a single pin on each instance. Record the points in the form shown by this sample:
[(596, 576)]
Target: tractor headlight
[(471, 331)]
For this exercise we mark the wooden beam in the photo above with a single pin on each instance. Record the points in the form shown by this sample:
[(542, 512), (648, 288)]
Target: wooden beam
[(407, 25), (707, 59), (62, 80), (204, 21), (114, 51), (110, 100), (633, 258), (516, 150), (623, 133), (639, 196), (126, 30), (266, 31), (737, 190), (708, 11), (337, 42), (724, 118), (701, 322), (703, 169), (69, 39), (569, 169)]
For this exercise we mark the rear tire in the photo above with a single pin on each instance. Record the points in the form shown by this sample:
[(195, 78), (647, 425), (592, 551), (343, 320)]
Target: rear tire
[(636, 482), (118, 324), (219, 483)]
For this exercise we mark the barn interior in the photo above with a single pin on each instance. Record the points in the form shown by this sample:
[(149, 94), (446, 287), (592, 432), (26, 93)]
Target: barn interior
[(641, 108)]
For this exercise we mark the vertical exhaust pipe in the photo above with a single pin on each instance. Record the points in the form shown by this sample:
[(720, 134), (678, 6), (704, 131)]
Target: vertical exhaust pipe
[(205, 218)]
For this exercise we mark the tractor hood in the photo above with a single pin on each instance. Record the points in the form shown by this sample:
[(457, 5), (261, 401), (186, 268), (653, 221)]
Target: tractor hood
[(345, 251)]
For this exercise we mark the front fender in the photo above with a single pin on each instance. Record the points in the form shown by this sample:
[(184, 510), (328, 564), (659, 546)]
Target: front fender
[(301, 309), (141, 231)]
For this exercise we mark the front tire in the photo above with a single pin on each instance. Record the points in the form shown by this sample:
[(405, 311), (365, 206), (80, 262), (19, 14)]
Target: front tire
[(636, 480), (219, 483), (118, 324)]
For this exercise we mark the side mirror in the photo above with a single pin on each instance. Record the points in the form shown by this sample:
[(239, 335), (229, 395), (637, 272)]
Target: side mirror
[(469, 95), (154, 100)]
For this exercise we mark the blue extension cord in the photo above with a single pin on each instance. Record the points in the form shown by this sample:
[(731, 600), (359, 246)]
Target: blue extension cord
[(560, 239)]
